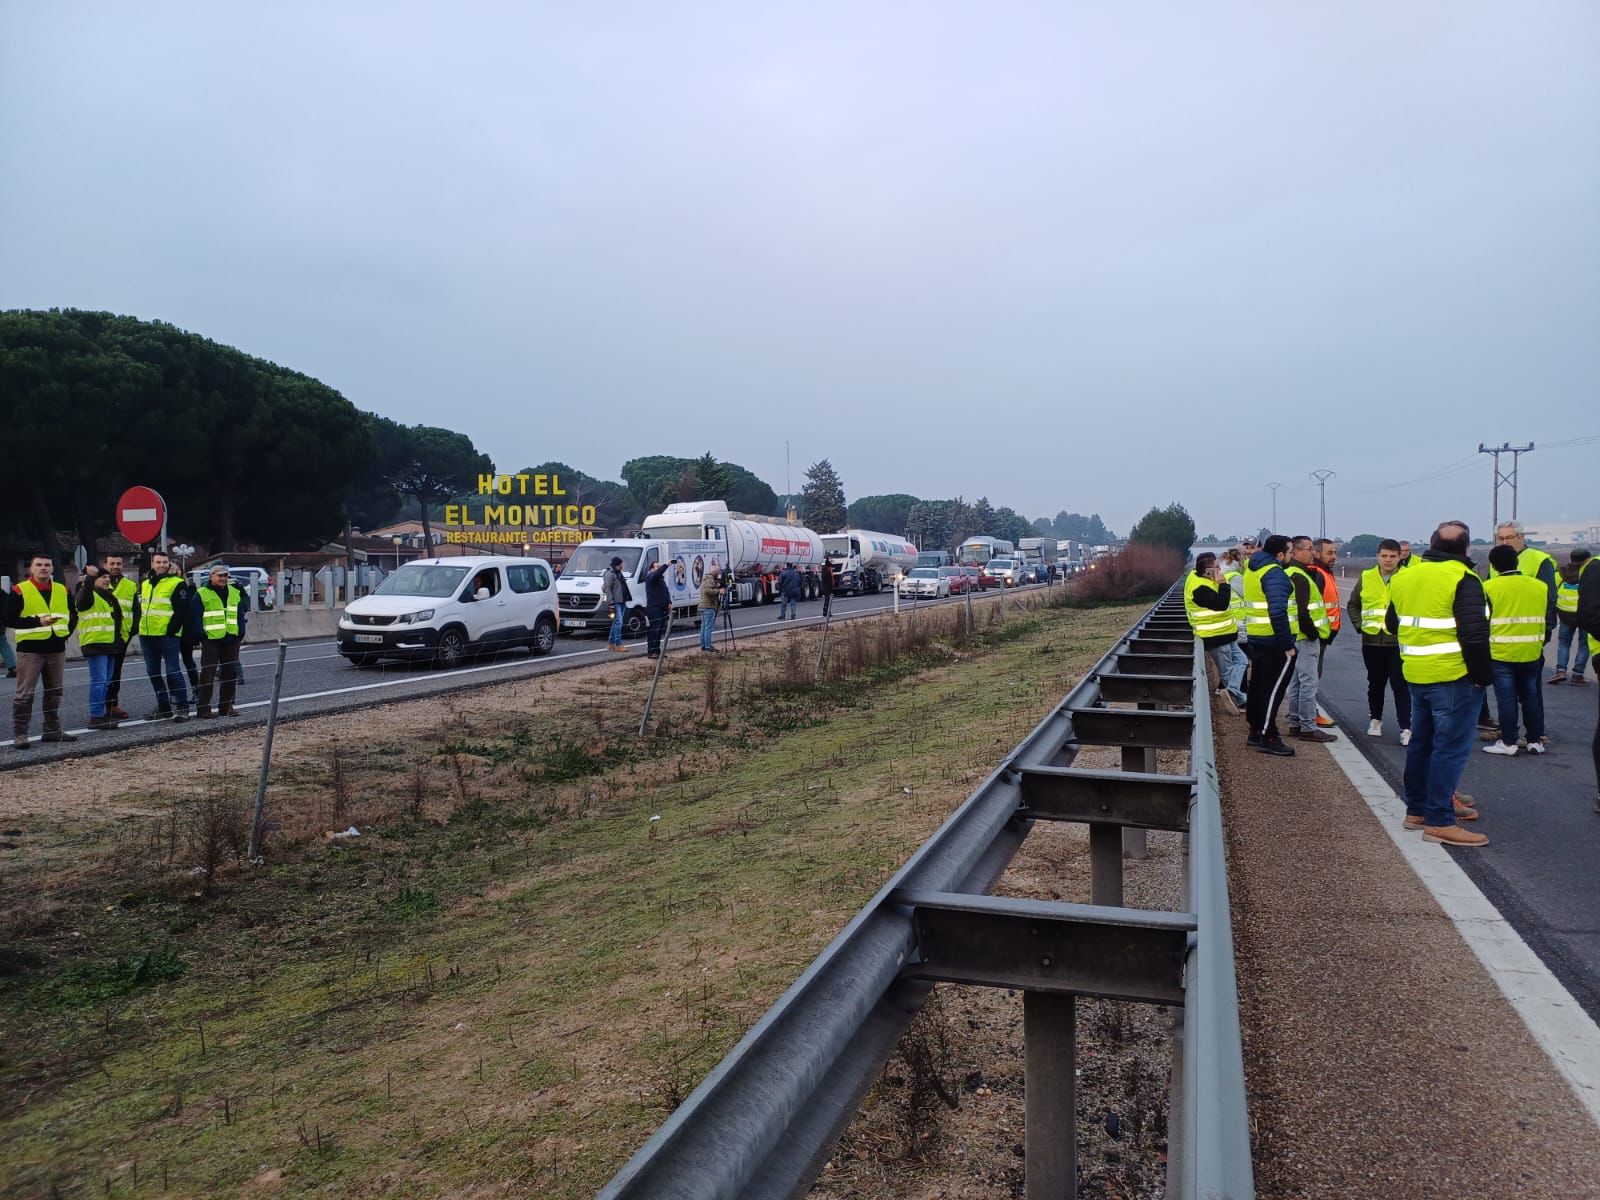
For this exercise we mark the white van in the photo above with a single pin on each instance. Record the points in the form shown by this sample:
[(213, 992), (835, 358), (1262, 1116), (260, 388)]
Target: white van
[(446, 609)]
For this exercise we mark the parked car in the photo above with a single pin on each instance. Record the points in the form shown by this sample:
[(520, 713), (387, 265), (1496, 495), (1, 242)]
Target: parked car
[(447, 609), (960, 584), (977, 581), (925, 581), (1007, 570)]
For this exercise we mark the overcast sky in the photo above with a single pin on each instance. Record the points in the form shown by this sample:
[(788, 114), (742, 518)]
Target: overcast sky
[(1086, 256)]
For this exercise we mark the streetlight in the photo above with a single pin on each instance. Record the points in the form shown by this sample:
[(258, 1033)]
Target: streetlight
[(398, 542)]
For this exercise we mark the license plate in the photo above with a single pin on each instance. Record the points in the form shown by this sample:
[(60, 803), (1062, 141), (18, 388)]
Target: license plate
[(375, 639), (569, 623)]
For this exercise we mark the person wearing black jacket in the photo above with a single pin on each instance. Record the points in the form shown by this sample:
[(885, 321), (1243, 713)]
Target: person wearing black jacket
[(1440, 604), (657, 606), (1589, 623)]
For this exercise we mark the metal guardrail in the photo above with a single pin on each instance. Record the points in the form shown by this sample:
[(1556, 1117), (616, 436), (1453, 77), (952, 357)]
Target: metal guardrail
[(763, 1122)]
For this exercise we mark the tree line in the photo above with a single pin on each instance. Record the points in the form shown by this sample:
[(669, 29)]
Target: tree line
[(246, 451)]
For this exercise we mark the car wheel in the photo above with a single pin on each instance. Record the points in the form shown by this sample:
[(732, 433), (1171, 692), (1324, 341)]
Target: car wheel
[(544, 637), (451, 650), (634, 623)]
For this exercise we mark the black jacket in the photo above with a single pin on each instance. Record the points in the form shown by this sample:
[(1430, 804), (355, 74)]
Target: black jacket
[(1589, 604), (1470, 609), (656, 592)]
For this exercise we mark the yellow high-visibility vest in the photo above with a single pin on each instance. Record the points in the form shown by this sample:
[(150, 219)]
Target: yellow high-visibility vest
[(155, 602), (221, 617), (97, 625), (34, 604), (1517, 607), (1206, 622), (1424, 600)]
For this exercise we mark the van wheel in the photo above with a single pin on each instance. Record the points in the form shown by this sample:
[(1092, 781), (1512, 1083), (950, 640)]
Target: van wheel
[(451, 650), (634, 623), (544, 637)]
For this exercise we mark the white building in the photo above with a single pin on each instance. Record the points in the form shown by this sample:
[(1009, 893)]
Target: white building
[(1563, 533)]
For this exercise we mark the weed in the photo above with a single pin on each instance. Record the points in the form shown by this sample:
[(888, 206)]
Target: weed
[(414, 903), (98, 983)]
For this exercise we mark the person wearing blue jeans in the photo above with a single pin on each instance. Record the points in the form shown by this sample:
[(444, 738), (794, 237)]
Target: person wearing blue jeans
[(1444, 723), (1565, 653), (1438, 613), (710, 603), (1516, 686), (163, 665), (1567, 615), (789, 593), (614, 591)]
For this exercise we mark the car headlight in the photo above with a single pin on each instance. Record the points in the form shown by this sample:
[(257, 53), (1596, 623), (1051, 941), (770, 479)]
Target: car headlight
[(412, 618)]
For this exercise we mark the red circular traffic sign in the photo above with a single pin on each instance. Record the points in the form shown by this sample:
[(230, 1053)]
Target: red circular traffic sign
[(141, 512)]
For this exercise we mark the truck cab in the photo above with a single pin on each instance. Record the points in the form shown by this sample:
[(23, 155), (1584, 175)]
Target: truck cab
[(580, 591)]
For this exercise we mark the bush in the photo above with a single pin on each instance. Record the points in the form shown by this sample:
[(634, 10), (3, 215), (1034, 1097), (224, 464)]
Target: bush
[(1138, 570)]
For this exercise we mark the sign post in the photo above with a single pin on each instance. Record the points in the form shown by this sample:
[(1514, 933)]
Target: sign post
[(142, 516)]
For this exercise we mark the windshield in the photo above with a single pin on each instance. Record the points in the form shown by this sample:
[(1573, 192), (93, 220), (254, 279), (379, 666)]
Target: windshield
[(1001, 564), (836, 547), (976, 555), (593, 560), (924, 573), (414, 579)]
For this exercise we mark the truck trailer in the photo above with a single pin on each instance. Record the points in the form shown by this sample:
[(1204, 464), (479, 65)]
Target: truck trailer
[(754, 549), (864, 561)]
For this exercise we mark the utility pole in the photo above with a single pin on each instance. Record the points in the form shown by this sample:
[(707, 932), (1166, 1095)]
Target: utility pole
[(1506, 477), (1274, 487), (1322, 475)]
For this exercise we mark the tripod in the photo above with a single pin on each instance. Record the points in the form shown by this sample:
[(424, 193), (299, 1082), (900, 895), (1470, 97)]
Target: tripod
[(727, 615)]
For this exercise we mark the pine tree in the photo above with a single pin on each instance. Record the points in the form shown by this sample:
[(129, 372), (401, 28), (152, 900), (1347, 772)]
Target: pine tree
[(822, 498), (713, 480)]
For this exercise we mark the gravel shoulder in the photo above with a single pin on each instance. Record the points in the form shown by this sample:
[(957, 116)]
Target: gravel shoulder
[(1380, 1058)]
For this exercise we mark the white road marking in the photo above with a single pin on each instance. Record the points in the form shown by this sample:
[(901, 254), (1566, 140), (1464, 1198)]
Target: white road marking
[(1567, 1034)]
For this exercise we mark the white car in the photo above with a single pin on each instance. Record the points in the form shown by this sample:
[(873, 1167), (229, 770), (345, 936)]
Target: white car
[(447, 609), (925, 581), (1008, 570)]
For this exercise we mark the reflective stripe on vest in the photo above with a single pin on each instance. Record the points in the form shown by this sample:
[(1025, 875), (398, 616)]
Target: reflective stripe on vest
[(1257, 620), (1374, 587), (155, 600), (1517, 607), (1206, 622), (1330, 600), (1567, 597), (98, 624), (124, 590), (1424, 601), (34, 604), (1319, 614), (220, 621)]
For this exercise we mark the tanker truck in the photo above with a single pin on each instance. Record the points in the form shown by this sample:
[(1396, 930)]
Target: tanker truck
[(863, 561), (754, 549)]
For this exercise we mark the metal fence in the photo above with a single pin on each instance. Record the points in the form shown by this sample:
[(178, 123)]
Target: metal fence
[(764, 1121)]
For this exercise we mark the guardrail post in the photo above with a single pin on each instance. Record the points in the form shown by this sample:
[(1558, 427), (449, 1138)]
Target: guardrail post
[(1135, 842), (1105, 862), (1050, 1037)]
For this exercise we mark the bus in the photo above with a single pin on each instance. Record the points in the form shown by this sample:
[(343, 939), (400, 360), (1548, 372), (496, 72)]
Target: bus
[(977, 551)]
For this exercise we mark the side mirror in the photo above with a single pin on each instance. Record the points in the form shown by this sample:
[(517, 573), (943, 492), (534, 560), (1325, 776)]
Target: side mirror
[(482, 594)]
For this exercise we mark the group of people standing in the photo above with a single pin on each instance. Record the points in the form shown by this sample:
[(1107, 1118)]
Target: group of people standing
[(108, 610), (1433, 635)]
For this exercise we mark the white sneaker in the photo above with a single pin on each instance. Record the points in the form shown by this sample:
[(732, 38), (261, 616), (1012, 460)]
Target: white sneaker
[(1536, 747), (1405, 737), (1499, 747), (1374, 728)]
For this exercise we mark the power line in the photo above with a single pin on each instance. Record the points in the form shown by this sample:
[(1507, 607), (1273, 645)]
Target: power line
[(1322, 475), (1506, 477)]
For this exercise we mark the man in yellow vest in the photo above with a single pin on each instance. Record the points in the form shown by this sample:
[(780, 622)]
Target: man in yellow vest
[(1567, 615), (125, 594), (217, 616), (1267, 595), (43, 617), (1535, 564), (1380, 649), (1520, 621), (163, 605), (1589, 622), (1208, 602), (1437, 613), (101, 639), (1309, 620)]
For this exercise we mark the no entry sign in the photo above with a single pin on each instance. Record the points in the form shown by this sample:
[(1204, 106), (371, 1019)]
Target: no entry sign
[(141, 512)]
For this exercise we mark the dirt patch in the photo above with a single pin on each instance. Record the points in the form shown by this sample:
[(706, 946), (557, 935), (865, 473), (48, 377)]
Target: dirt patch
[(544, 934)]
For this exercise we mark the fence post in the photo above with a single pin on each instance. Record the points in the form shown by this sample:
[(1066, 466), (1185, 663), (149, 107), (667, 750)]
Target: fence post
[(1049, 1037), (266, 753)]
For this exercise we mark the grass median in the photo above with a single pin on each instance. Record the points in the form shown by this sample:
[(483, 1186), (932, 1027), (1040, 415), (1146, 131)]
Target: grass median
[(544, 932)]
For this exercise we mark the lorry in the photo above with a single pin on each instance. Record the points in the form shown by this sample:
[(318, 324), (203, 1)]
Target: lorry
[(754, 549), (977, 551), (580, 592), (863, 561), (1040, 555)]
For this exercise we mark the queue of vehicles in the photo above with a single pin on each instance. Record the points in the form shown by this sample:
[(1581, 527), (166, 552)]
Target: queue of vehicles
[(447, 609)]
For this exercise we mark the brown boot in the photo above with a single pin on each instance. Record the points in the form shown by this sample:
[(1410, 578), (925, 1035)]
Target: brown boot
[(205, 714), (1453, 835), (227, 710)]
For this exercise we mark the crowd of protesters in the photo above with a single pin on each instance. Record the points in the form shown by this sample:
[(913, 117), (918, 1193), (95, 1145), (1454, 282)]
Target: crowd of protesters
[(1435, 637)]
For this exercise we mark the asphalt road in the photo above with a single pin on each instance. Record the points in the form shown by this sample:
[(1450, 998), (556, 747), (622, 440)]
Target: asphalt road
[(317, 680), (1539, 868)]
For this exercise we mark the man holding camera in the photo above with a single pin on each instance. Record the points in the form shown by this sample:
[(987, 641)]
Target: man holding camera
[(710, 605)]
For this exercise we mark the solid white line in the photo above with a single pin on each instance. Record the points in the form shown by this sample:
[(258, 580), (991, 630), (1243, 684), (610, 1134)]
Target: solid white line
[(1566, 1033)]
